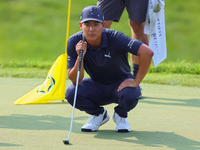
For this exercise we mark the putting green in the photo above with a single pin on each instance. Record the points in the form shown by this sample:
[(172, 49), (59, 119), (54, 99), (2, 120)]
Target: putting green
[(166, 118)]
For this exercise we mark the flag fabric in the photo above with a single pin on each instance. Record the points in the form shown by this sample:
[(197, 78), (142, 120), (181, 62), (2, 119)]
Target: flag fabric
[(155, 27), (52, 89)]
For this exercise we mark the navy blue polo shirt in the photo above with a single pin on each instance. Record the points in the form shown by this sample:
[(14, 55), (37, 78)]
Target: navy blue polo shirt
[(109, 62)]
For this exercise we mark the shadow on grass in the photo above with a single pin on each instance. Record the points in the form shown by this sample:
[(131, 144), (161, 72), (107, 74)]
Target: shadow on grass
[(9, 144), (145, 138), (31, 122), (150, 139), (175, 102)]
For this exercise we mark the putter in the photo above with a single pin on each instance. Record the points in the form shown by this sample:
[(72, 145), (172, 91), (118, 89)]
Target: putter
[(66, 141)]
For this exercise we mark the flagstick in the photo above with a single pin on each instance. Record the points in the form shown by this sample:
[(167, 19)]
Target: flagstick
[(67, 34), (68, 20)]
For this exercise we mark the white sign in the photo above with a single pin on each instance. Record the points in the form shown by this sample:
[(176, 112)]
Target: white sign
[(155, 27)]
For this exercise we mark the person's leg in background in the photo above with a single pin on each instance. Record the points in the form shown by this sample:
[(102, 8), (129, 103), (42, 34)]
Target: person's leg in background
[(137, 10), (137, 30)]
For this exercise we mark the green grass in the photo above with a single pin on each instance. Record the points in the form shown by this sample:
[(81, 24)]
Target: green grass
[(173, 79), (165, 119), (180, 67), (36, 29), (172, 73), (182, 30), (33, 35)]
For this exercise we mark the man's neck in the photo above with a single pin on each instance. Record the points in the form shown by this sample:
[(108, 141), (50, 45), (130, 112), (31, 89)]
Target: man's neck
[(95, 44)]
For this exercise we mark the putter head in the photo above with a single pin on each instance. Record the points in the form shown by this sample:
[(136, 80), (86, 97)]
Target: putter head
[(66, 141)]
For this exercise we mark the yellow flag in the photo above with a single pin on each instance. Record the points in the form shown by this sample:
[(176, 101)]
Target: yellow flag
[(52, 89)]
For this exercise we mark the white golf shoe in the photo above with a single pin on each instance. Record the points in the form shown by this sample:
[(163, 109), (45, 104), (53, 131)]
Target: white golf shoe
[(94, 122), (122, 124)]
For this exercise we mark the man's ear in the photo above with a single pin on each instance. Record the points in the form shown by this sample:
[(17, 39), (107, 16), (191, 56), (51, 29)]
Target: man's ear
[(103, 24), (80, 25)]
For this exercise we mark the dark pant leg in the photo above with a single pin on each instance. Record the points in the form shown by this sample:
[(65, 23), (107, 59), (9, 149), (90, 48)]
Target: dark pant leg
[(90, 95), (126, 99)]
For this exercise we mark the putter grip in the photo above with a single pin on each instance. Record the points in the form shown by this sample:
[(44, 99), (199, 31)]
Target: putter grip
[(80, 60)]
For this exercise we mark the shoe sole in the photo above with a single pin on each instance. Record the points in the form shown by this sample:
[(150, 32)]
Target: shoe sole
[(123, 130), (90, 130)]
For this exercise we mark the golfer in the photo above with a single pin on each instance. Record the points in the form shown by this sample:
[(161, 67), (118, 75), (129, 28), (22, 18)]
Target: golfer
[(105, 59)]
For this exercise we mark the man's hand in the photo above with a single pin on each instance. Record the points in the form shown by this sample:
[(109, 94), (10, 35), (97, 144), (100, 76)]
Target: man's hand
[(127, 83), (81, 45)]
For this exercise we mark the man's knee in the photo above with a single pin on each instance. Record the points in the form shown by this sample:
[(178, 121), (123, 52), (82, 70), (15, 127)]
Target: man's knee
[(131, 97), (132, 100), (137, 28)]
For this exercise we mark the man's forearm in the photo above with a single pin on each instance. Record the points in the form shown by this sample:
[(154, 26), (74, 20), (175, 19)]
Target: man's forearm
[(72, 73)]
